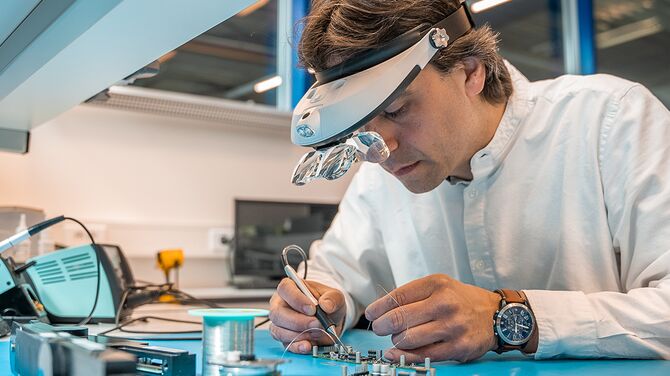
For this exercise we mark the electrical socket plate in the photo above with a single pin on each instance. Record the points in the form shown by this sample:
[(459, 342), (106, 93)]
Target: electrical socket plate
[(220, 239)]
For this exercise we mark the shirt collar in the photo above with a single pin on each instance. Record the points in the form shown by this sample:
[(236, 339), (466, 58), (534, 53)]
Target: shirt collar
[(488, 159)]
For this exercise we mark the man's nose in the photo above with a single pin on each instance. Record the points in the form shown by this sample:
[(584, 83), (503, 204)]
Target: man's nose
[(386, 129)]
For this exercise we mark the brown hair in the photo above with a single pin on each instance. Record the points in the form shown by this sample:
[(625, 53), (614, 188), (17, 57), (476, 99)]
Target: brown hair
[(336, 30)]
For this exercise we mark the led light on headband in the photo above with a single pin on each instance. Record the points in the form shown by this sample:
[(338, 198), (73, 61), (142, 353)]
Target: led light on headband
[(349, 95)]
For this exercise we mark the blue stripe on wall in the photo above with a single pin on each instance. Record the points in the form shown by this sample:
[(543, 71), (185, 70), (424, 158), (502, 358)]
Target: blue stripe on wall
[(300, 80), (587, 47)]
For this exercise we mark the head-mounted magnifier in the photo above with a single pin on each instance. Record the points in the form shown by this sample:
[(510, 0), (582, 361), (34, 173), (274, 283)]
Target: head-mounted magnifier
[(349, 95)]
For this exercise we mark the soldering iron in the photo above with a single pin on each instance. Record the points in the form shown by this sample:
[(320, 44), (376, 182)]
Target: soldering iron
[(321, 315)]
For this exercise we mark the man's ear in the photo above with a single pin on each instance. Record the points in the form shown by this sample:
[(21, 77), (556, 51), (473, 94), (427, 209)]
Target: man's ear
[(475, 76)]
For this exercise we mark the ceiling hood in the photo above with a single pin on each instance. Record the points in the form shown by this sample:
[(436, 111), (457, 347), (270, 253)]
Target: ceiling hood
[(54, 54)]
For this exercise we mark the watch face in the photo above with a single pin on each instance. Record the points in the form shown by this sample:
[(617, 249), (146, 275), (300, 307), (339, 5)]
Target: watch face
[(514, 324)]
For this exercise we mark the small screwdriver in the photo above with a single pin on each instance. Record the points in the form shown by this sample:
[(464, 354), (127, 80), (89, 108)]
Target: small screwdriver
[(320, 314)]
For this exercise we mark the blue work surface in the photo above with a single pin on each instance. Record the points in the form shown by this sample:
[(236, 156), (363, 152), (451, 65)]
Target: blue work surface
[(491, 364)]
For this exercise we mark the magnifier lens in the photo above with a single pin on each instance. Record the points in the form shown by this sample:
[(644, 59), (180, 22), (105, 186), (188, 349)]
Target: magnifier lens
[(338, 161), (307, 168), (334, 162), (372, 146)]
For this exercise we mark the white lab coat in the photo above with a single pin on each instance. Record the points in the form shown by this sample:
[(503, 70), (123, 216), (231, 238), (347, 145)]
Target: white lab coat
[(570, 202)]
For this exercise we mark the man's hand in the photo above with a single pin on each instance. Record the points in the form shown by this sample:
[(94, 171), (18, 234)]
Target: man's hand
[(438, 317), (291, 313)]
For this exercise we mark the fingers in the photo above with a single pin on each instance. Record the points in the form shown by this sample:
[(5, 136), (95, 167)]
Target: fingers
[(297, 342), (399, 319), (414, 291), (299, 347), (292, 315), (425, 334), (284, 316), (288, 291), (300, 342), (332, 301), (286, 335)]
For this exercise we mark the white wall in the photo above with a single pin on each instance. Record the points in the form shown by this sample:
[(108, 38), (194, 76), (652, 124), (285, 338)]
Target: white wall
[(154, 182)]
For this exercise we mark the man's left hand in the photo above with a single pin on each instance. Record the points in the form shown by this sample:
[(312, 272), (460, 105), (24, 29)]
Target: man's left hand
[(436, 317)]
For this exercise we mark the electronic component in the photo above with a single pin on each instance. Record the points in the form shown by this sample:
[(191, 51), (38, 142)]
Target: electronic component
[(372, 362), (42, 349), (39, 349), (155, 360)]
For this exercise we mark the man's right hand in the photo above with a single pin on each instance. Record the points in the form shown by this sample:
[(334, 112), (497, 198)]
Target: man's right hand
[(291, 313)]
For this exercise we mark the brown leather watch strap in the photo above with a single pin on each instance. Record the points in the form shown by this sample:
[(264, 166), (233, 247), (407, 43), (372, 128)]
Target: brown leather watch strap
[(512, 296)]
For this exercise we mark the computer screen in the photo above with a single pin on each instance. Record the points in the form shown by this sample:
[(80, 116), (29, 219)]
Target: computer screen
[(264, 228)]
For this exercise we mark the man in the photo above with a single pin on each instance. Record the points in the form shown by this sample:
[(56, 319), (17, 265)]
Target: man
[(557, 191)]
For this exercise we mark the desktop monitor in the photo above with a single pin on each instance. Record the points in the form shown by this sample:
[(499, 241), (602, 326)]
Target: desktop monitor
[(264, 228)]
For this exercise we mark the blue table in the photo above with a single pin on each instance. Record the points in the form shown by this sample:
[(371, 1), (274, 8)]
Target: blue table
[(491, 364)]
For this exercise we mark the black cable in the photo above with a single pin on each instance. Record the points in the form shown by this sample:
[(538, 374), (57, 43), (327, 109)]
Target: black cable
[(97, 261), (196, 300), (261, 323), (124, 298), (303, 255), (146, 318)]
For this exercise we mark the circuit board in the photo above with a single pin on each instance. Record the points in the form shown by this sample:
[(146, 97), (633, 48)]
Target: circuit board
[(371, 363)]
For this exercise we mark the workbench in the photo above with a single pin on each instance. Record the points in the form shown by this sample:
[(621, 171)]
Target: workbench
[(492, 364)]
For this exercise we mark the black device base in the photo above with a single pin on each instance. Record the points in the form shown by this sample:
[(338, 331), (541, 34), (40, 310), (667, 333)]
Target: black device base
[(21, 300)]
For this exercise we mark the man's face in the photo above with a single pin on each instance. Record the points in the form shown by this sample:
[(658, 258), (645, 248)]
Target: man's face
[(433, 130)]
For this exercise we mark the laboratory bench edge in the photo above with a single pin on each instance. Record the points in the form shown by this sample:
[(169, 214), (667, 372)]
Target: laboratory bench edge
[(491, 364)]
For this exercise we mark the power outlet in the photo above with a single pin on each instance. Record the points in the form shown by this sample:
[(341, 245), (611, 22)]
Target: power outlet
[(75, 234), (220, 240)]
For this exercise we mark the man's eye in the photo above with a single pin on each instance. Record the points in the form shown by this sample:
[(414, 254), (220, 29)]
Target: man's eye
[(395, 114)]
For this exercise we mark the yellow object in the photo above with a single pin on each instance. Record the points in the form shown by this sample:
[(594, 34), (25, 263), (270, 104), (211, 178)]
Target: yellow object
[(168, 259), (167, 299)]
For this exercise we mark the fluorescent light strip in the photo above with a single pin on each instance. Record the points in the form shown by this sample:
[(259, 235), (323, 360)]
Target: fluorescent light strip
[(483, 5), (269, 84), (628, 33)]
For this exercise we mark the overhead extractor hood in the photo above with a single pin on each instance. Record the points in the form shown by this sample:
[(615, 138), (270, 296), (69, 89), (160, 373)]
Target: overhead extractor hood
[(54, 54)]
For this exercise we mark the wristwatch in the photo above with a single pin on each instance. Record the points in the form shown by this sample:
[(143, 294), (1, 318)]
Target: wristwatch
[(513, 322)]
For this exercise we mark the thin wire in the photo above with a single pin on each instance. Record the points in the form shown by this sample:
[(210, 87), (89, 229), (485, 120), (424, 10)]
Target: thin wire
[(97, 261), (404, 315), (301, 333)]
